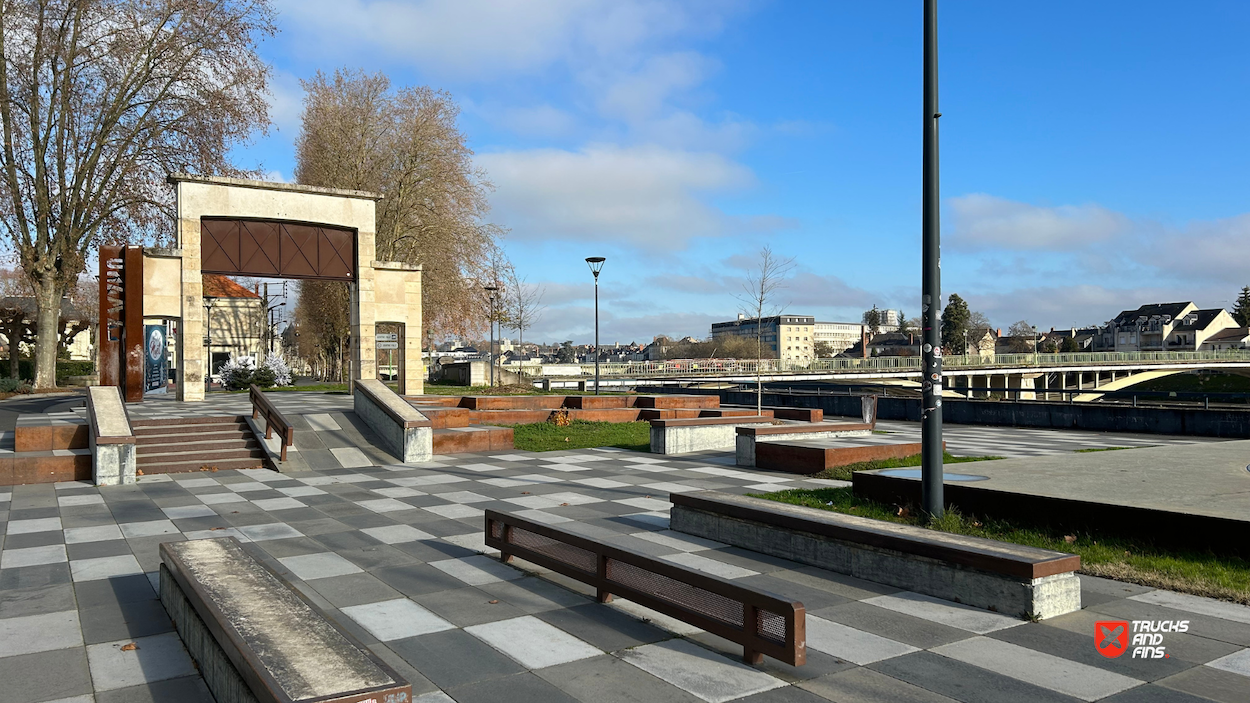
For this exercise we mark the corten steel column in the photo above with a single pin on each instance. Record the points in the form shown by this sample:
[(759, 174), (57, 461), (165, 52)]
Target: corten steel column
[(596, 265), (111, 302), (132, 331), (931, 411)]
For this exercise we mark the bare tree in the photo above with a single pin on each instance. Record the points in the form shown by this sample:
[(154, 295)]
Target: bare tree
[(758, 298), (360, 133), (526, 301), (99, 101)]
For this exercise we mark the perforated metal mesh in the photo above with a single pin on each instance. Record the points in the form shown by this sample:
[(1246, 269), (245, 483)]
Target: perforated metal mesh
[(496, 529), (771, 626), (573, 556), (712, 605)]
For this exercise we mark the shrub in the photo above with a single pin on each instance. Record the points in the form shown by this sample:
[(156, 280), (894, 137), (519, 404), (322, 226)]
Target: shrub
[(13, 385), (278, 366), (239, 374)]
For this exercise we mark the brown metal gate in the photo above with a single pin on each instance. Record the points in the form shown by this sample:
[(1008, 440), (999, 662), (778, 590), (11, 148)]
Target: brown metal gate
[(268, 248)]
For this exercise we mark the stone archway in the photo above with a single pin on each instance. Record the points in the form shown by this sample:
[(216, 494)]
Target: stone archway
[(256, 228)]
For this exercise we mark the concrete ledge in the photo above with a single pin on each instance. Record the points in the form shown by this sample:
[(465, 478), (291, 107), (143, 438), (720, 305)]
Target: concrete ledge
[(255, 639), (747, 437), (682, 436), (1006, 578), (112, 441), (404, 431)]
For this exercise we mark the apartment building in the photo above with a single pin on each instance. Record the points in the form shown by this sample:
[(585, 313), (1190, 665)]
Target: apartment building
[(789, 337)]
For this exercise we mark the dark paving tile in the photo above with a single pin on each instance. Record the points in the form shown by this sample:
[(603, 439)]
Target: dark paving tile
[(44, 676), (34, 576), (841, 584), (1096, 590), (34, 539), (749, 560), (377, 556), (361, 520), (535, 595), (433, 550), (92, 550), (350, 539), (1154, 694), (147, 549), (818, 663), (861, 685), (247, 518), (961, 681), (354, 589), (455, 658), (296, 546), (340, 511), (788, 694), (420, 684), (1201, 625), (417, 579), (1209, 684), (190, 689), (610, 679), (195, 524), (813, 599), (1080, 647), (36, 601), (464, 607), (519, 688), (917, 632), (81, 518), (107, 623), (114, 591), (604, 627), (33, 513), (1187, 647)]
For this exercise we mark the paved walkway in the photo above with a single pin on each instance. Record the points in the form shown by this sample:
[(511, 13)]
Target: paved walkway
[(393, 553)]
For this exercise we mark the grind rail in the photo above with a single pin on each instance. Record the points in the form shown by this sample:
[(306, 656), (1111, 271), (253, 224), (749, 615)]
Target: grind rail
[(273, 418), (762, 622)]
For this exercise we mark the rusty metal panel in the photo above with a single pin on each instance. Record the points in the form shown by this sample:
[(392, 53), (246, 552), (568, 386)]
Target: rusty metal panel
[(272, 248), (132, 333)]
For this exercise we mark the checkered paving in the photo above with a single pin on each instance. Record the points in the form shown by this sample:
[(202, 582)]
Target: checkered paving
[(395, 554)]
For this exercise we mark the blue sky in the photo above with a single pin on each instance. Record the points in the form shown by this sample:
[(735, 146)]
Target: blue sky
[(1093, 154)]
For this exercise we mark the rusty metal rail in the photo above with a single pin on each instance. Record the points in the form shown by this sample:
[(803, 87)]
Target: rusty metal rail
[(762, 622), (273, 419)]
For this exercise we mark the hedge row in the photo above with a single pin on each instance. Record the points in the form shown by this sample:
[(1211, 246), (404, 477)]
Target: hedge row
[(64, 369)]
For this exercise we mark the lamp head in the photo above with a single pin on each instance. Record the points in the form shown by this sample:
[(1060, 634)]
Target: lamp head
[(595, 263)]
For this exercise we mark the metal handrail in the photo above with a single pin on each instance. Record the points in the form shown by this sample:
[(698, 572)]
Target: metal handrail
[(273, 418)]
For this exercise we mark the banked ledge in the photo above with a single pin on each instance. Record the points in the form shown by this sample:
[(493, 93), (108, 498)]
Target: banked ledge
[(1008, 578)]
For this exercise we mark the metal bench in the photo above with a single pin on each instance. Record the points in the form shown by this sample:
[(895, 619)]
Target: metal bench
[(256, 640), (762, 622)]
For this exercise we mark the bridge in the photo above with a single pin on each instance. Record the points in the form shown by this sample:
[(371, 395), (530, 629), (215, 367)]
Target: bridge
[(966, 375)]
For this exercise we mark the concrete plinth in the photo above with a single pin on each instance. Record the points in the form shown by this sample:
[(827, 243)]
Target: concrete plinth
[(405, 432)]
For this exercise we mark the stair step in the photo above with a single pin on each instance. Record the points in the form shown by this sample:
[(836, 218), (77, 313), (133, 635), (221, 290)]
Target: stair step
[(197, 447), (199, 437), (202, 457), (188, 420), (175, 467), (157, 430)]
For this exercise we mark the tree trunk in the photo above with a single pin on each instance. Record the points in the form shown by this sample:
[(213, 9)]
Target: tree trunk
[(47, 327)]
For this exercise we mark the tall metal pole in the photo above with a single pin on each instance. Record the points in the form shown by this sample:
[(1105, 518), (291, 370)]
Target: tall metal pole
[(931, 412), (491, 356), (596, 334)]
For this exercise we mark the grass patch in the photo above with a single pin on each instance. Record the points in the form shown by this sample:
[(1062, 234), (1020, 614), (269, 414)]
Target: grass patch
[(1136, 560), (843, 473), (581, 434), (1103, 449)]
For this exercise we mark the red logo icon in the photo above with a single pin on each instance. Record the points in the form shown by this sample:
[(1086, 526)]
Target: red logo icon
[(1111, 637)]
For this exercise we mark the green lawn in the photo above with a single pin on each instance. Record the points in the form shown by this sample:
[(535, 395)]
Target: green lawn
[(546, 437), (843, 473), (1126, 559)]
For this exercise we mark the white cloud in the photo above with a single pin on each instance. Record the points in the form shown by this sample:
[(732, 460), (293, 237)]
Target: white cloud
[(984, 221), (646, 197), (640, 94), (1079, 305), (1203, 250), (536, 121), (812, 290), (286, 102)]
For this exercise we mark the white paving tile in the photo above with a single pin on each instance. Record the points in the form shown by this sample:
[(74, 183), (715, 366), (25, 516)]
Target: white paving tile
[(155, 658), (39, 633), (696, 670), (262, 475), (1196, 604), (539, 478), (297, 491), (218, 533), (247, 486), (219, 498), (99, 533), (351, 457), (317, 480), (72, 501), (276, 530), (669, 487), (396, 534), (284, 503), (5, 497), (1237, 663), (32, 556), (477, 570), (474, 540), (455, 510), (658, 521), (533, 501), (319, 566), (599, 482), (354, 478), (543, 517), (648, 504), (398, 492), (104, 568), (505, 482), (384, 505), (24, 527), (1038, 668), (711, 566), (196, 482), (572, 498), (851, 644), (945, 612), (464, 497), (532, 642), (679, 541), (396, 619), (321, 422), (482, 468), (148, 528), (189, 511)]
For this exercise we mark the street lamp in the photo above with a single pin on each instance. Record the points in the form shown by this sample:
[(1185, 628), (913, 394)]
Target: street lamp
[(931, 290), (491, 290), (596, 264), (209, 301)]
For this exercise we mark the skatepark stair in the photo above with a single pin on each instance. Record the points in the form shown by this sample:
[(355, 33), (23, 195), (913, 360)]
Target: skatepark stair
[(200, 443)]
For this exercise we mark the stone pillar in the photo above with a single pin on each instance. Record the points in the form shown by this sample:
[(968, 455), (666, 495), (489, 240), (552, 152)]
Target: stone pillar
[(414, 332), (192, 359), (363, 314)]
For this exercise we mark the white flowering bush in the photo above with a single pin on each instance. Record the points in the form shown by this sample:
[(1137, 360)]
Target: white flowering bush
[(240, 373), (278, 365)]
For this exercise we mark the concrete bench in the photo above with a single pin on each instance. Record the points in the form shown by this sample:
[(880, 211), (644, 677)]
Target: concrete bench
[(699, 434), (405, 432), (255, 639), (112, 441), (747, 438), (762, 622), (1006, 578)]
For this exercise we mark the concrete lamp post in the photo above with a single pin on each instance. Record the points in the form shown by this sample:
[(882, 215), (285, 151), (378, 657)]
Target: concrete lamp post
[(596, 264), (491, 291)]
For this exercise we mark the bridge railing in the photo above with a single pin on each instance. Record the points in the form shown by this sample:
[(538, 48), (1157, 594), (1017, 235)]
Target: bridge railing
[(743, 367)]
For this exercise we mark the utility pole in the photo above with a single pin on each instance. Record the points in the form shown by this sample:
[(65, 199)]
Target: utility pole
[(931, 285), (596, 265)]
